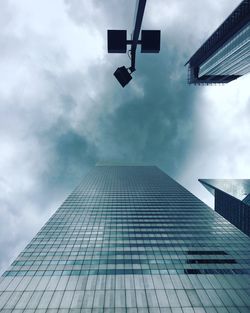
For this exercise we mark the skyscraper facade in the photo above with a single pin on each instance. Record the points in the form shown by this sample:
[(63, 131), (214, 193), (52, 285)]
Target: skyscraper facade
[(225, 55), (231, 200), (130, 239)]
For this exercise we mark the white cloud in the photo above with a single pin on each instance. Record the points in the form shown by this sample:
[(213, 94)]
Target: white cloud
[(221, 147), (187, 24)]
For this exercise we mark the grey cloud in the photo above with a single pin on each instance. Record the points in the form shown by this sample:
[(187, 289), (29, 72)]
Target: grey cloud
[(99, 13), (157, 126)]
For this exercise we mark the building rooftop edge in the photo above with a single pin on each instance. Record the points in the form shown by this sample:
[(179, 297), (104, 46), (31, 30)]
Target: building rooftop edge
[(118, 163)]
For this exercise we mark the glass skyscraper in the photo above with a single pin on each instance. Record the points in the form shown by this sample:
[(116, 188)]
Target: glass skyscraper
[(225, 55), (129, 239), (231, 200)]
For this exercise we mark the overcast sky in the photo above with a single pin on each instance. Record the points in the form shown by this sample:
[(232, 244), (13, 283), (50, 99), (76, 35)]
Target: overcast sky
[(61, 110)]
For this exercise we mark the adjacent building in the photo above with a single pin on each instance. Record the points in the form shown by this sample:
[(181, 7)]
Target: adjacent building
[(225, 55), (130, 239), (232, 200)]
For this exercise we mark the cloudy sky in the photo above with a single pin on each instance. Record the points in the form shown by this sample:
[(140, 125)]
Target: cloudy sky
[(61, 110)]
